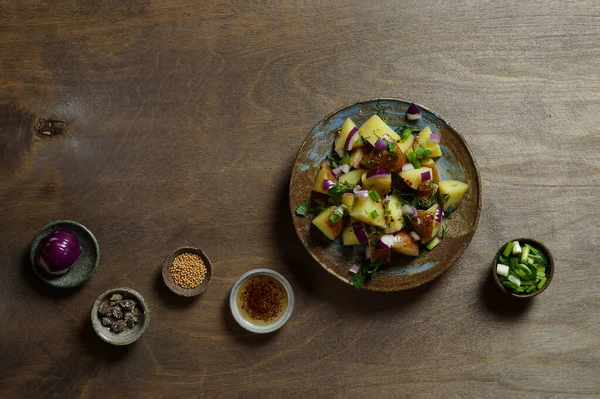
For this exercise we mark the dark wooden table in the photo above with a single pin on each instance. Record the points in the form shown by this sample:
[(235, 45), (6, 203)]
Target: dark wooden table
[(184, 119)]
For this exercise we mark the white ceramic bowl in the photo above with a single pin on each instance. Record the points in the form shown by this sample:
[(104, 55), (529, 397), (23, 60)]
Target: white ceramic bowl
[(128, 336), (260, 328)]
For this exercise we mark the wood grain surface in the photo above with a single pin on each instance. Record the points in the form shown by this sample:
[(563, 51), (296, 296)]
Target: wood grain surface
[(184, 119)]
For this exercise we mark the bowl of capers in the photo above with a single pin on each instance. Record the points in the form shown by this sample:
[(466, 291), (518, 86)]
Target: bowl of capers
[(120, 316)]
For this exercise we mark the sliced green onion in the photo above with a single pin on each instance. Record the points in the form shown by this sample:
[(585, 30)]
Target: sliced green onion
[(516, 248), (502, 269), (524, 253), (508, 248), (541, 283), (502, 259), (530, 289), (532, 249), (514, 279), (510, 285), (405, 133), (412, 158), (433, 243)]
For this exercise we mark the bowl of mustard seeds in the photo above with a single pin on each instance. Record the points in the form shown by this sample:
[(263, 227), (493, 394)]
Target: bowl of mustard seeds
[(187, 271)]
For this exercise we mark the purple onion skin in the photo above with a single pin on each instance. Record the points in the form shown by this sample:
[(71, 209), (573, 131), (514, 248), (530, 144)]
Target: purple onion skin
[(58, 251), (377, 173)]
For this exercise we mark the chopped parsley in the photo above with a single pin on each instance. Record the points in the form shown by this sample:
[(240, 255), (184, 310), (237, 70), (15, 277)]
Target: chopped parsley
[(391, 147), (334, 159), (433, 181), (375, 196), (422, 153), (345, 160), (301, 210), (366, 272)]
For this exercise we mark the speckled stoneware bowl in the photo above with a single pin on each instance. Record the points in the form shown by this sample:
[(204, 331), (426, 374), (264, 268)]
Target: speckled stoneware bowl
[(168, 277), (550, 268), (85, 266), (457, 163), (128, 336)]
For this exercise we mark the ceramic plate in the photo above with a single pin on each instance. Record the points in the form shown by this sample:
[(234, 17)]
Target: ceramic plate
[(457, 163)]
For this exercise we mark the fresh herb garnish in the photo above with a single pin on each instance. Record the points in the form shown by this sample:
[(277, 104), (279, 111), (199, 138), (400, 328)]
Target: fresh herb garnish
[(391, 147), (448, 213), (334, 159), (360, 141), (374, 195), (301, 210), (374, 214), (368, 270), (318, 208), (444, 231), (420, 203), (339, 189), (345, 160), (433, 181), (422, 153), (381, 110)]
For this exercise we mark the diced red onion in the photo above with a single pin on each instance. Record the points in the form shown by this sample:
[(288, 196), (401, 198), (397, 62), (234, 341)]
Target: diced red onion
[(360, 232), (407, 166), (413, 113), (356, 189), (387, 199), (385, 242), (414, 236), (352, 137), (362, 194), (337, 171), (378, 173), (425, 176), (354, 269), (345, 168), (328, 184), (434, 138), (410, 210), (380, 145), (438, 214)]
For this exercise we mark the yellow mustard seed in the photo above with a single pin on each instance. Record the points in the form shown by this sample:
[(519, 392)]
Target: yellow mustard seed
[(188, 270)]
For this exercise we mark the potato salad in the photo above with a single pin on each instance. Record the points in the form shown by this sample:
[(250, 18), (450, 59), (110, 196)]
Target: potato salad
[(380, 190)]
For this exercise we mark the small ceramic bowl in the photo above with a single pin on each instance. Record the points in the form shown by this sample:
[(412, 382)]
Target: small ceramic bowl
[(129, 335), (237, 312), (549, 269), (85, 266), (168, 278)]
